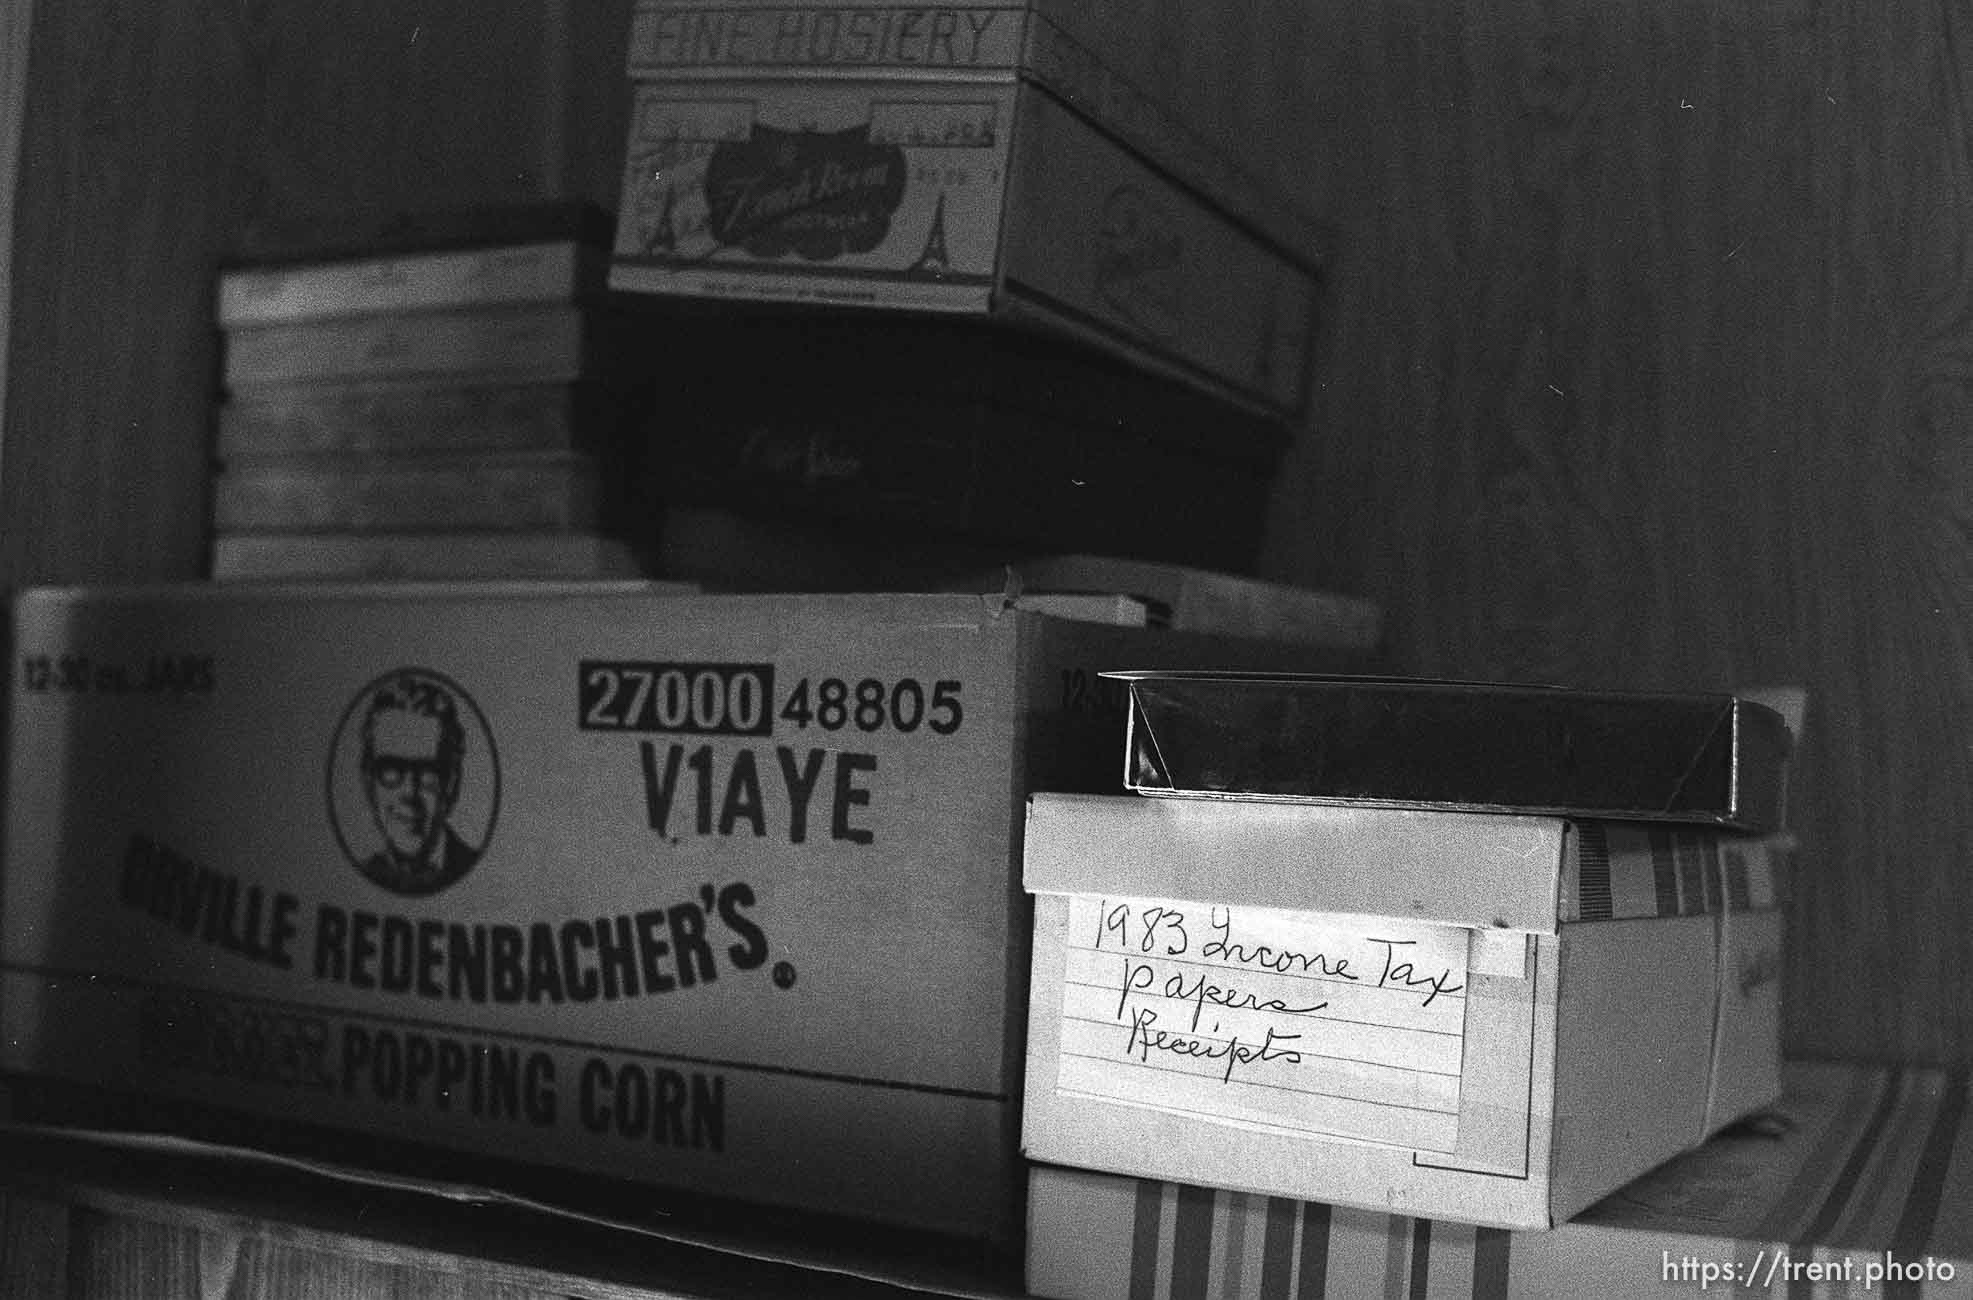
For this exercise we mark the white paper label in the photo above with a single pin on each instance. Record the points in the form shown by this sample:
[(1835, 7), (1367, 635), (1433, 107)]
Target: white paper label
[(1303, 1021)]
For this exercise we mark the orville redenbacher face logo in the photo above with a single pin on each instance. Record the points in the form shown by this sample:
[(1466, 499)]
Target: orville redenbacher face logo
[(413, 782)]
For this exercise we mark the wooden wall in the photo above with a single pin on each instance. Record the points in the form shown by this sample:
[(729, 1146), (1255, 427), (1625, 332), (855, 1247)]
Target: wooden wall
[(1647, 364), (157, 132), (15, 21)]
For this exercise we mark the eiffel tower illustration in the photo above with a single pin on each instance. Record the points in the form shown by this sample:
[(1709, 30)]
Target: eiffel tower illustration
[(934, 261)]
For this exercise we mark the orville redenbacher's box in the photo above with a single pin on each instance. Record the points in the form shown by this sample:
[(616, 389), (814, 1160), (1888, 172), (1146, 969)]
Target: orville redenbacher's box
[(1074, 165), (713, 892)]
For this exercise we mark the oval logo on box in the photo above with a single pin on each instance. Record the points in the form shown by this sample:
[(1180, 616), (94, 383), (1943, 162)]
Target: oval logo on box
[(413, 782), (820, 194)]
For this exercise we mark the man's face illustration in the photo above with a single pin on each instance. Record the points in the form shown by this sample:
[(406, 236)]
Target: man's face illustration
[(411, 785)]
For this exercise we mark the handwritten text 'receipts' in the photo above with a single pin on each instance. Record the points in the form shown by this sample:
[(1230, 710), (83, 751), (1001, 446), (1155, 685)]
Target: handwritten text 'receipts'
[(1292, 1020)]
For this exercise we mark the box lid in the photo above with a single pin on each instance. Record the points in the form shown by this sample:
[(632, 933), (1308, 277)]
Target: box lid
[(627, 595), (1475, 870), (1195, 599), (1706, 758)]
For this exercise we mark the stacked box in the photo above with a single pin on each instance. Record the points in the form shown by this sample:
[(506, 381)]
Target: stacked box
[(1852, 1183), (947, 432), (972, 478), (1269, 982), (1186, 597), (487, 410), (915, 181), (556, 433), (1052, 164), (427, 412)]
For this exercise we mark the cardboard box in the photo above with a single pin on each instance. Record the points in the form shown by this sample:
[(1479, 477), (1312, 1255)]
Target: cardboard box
[(1485, 1018), (1855, 1186), (486, 491), (1488, 747), (717, 893), (369, 556), (940, 469), (930, 362), (985, 161), (398, 417), (1166, 78), (543, 271), (531, 342)]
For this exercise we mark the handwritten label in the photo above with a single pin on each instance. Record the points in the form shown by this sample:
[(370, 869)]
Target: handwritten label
[(1301, 1021)]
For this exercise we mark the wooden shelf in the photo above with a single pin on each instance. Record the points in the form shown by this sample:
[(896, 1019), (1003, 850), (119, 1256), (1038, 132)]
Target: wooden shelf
[(82, 1218)]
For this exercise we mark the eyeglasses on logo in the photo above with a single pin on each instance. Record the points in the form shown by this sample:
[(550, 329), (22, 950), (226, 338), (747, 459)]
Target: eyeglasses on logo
[(413, 782)]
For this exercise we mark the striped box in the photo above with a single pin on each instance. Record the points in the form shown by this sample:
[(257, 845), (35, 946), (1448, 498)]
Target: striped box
[(1859, 1182), (1612, 1000), (1622, 871)]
